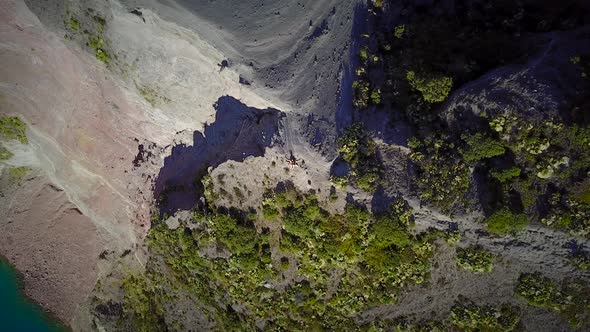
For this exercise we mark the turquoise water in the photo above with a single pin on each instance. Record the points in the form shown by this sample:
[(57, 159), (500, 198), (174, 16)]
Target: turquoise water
[(18, 313)]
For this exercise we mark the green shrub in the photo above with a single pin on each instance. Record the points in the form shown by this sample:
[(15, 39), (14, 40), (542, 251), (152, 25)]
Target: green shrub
[(581, 260), (471, 317), (5, 154), (475, 259), (357, 148), (400, 325), (13, 128), (151, 95), (209, 190), (505, 222), (378, 3), (443, 177), (452, 236), (368, 181), (434, 88), (506, 175), (387, 233), (18, 173), (381, 259), (362, 89), (72, 23), (239, 239), (355, 145), (581, 192), (339, 181), (296, 223), (99, 46), (399, 31), (141, 303), (333, 197), (376, 97), (282, 200), (570, 216), (364, 54), (537, 289), (481, 147), (571, 300), (269, 209)]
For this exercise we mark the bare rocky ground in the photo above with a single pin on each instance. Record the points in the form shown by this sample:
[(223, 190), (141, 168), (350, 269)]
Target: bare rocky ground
[(82, 211), (55, 246)]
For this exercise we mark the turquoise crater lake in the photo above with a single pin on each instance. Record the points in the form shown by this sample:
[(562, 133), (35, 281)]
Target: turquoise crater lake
[(17, 312)]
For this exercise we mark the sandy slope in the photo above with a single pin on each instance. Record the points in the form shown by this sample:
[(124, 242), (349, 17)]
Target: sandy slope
[(294, 53)]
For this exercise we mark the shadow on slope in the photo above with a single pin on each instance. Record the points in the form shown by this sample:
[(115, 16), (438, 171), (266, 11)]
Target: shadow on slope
[(344, 112), (238, 132)]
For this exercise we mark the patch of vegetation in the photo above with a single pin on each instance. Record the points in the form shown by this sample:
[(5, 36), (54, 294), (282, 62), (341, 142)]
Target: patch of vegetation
[(427, 57), (99, 46), (471, 317), (13, 128), (434, 88), (452, 237), (94, 35), (72, 23), (505, 176), (481, 147), (379, 3), (377, 255), (580, 260), (17, 173), (5, 154), (364, 54), (465, 315), (399, 31), (358, 149), (443, 177), (505, 222), (339, 181), (581, 192), (551, 157), (209, 190), (375, 97), (475, 259), (141, 303), (402, 325), (569, 215), (362, 93), (152, 96), (270, 210), (100, 23), (571, 300), (583, 62)]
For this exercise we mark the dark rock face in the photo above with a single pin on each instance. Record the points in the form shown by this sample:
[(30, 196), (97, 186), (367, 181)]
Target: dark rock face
[(546, 86), (110, 309), (238, 132)]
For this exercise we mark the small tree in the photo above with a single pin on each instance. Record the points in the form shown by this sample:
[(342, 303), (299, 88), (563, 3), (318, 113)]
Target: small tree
[(504, 222), (434, 88)]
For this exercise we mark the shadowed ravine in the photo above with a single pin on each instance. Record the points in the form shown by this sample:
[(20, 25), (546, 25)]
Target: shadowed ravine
[(238, 132)]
